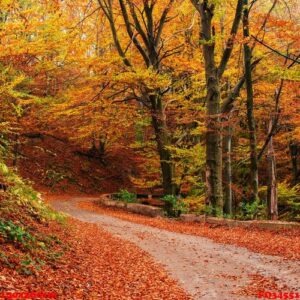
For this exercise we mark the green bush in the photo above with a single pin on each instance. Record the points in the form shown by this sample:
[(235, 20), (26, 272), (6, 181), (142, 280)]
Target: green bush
[(174, 206), (209, 210), (197, 190), (125, 196), (252, 210)]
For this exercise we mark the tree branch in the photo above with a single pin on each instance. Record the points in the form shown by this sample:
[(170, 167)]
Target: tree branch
[(138, 24), (131, 34), (229, 45), (107, 9), (228, 104), (276, 51), (274, 123), (162, 22)]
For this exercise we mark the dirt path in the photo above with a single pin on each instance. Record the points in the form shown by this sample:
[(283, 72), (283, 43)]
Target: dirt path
[(205, 269)]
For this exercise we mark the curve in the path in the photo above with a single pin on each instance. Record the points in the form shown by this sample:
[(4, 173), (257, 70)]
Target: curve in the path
[(206, 269)]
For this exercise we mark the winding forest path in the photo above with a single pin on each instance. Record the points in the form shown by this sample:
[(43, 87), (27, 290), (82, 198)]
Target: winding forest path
[(205, 269)]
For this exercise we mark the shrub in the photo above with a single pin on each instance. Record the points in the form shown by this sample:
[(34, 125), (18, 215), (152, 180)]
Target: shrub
[(25, 247), (174, 206), (215, 212), (124, 195), (252, 210), (286, 194)]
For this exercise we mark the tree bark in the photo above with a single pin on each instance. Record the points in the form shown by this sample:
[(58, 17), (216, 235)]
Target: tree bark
[(272, 196), (163, 141), (228, 168), (250, 106), (213, 100), (294, 160)]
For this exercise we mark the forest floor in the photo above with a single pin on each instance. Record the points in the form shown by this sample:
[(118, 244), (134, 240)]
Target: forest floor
[(208, 262), (94, 265)]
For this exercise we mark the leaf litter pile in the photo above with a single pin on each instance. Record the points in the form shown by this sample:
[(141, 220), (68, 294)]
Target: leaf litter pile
[(94, 265), (284, 243)]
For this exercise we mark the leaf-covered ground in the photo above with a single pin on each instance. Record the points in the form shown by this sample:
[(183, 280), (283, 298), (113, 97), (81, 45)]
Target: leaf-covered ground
[(95, 265), (205, 268), (284, 243), (261, 283)]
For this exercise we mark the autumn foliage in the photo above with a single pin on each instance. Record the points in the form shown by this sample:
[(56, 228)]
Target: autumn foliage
[(195, 101), (205, 108)]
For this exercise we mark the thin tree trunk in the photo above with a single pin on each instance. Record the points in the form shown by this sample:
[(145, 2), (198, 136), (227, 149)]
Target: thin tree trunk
[(250, 107), (228, 168), (272, 197), (294, 160)]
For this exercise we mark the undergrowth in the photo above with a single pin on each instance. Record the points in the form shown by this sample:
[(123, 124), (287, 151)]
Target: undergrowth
[(24, 219), (125, 196)]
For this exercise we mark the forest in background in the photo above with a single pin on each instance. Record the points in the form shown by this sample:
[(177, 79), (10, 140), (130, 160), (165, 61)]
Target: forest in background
[(198, 98)]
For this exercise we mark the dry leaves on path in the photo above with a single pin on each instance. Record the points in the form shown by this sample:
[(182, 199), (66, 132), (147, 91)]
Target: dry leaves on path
[(97, 266), (284, 243)]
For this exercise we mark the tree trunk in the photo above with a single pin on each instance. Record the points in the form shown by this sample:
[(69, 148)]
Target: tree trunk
[(214, 159), (272, 197), (163, 141), (294, 155), (250, 107), (228, 169), (213, 74), (213, 99)]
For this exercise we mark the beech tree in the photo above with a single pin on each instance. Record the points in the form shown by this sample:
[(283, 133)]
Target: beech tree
[(250, 104), (144, 29), (213, 100)]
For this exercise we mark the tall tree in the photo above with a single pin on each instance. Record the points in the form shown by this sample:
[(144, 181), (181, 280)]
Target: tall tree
[(213, 99), (144, 29), (272, 195), (250, 104), (228, 195)]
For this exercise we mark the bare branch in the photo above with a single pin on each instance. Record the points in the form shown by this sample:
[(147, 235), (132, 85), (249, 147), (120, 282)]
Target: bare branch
[(137, 24), (107, 9), (276, 51), (132, 35), (230, 41), (228, 104), (273, 129), (162, 22), (262, 27)]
